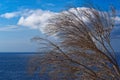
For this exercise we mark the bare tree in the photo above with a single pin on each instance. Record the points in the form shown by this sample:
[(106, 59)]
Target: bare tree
[(83, 50)]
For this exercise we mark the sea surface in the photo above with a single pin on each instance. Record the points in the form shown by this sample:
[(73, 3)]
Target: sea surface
[(14, 66)]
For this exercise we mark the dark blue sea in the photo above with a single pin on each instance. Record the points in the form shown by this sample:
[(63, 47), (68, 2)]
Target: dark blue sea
[(14, 66)]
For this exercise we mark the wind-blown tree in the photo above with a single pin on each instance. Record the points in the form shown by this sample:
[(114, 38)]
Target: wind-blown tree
[(82, 51)]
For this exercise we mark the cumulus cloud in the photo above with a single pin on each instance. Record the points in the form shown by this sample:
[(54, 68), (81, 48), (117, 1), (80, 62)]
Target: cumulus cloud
[(36, 19), (33, 19)]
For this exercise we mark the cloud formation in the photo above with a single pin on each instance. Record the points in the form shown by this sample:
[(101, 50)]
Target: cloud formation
[(9, 15), (33, 19), (38, 19)]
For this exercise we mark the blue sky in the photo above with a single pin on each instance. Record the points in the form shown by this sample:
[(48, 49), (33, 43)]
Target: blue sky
[(18, 22)]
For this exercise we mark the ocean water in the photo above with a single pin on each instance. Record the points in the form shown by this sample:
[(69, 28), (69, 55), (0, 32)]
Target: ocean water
[(14, 66)]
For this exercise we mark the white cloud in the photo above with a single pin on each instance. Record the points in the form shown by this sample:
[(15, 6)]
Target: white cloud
[(9, 15), (36, 19), (33, 19)]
